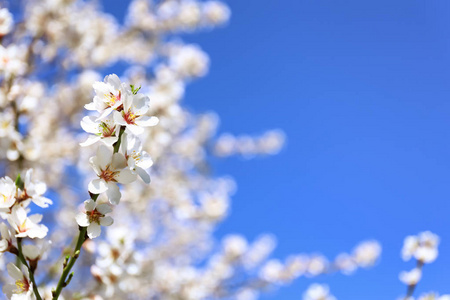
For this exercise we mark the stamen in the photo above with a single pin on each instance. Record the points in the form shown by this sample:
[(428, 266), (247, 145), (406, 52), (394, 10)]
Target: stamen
[(108, 175)]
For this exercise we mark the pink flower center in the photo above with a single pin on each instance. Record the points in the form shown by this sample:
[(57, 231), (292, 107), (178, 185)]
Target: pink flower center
[(129, 117), (113, 98), (108, 175), (94, 216), (23, 227)]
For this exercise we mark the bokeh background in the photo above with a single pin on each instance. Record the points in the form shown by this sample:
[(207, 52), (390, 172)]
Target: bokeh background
[(361, 89)]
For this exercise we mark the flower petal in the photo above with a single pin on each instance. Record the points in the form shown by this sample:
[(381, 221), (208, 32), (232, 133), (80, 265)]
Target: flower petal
[(90, 106), (104, 113), (94, 164), (40, 188), (145, 161), (97, 186), (82, 220), (39, 231), (3, 245), (147, 121), (104, 208), (89, 205), (113, 193), (92, 139), (140, 104), (106, 221), (118, 118), (127, 98), (36, 218), (143, 174), (41, 201), (125, 176), (14, 271), (28, 175), (109, 141), (113, 80), (89, 125), (134, 129), (104, 156), (93, 230), (118, 161)]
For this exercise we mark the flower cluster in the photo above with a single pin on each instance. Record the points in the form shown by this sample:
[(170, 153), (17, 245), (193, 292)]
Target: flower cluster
[(162, 246), (14, 201), (121, 117), (15, 198), (424, 248)]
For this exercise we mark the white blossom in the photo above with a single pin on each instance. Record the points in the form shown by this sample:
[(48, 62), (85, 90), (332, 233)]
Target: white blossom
[(216, 12), (111, 168), (367, 253), (346, 263), (318, 292), (234, 246), (104, 130), (94, 217), (423, 247), (189, 61), (317, 265), (35, 191), (412, 277), (6, 123), (8, 238), (108, 95), (34, 253), (23, 287), (272, 271), (137, 159), (132, 116), (26, 226), (6, 21), (7, 193), (12, 60)]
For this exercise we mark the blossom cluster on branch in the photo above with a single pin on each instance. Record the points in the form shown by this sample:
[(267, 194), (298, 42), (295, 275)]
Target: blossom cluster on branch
[(95, 144)]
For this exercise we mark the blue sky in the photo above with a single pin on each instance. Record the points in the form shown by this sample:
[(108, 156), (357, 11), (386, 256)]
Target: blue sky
[(361, 90)]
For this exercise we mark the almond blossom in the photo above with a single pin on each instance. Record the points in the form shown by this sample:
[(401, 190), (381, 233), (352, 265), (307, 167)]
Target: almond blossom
[(12, 60), (94, 216), (412, 277), (6, 21), (34, 191), (7, 240), (137, 159), (111, 168), (7, 193), (318, 292), (132, 116), (108, 95), (26, 226), (23, 287), (34, 253), (104, 130), (423, 247), (165, 248)]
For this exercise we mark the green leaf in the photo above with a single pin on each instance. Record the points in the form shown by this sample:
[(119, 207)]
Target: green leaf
[(19, 182), (134, 90)]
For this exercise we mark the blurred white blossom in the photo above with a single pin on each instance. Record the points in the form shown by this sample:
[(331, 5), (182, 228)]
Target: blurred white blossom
[(318, 292)]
